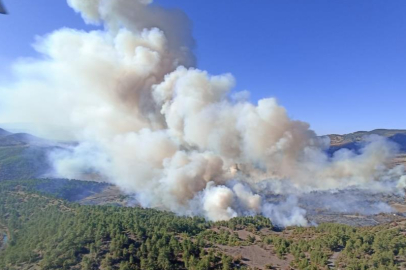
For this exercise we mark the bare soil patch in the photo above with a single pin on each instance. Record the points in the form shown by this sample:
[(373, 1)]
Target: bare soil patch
[(256, 256)]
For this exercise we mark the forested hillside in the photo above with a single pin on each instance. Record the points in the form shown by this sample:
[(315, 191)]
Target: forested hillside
[(23, 156), (44, 231)]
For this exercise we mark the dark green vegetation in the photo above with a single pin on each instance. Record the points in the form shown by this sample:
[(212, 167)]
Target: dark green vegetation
[(69, 190), (21, 162), (22, 156), (51, 233), (47, 232), (43, 227)]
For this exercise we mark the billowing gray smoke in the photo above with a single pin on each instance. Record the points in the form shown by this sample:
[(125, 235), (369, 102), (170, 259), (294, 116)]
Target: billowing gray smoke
[(171, 134)]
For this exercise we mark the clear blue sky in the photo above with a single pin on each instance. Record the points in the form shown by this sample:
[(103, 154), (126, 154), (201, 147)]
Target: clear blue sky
[(338, 64)]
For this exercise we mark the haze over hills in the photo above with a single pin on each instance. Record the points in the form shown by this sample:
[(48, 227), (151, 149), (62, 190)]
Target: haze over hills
[(185, 171), (199, 177), (4, 132), (22, 139), (240, 243), (357, 140), (396, 135), (149, 121), (23, 155)]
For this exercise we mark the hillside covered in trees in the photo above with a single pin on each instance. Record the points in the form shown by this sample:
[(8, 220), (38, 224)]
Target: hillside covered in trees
[(23, 156), (43, 230)]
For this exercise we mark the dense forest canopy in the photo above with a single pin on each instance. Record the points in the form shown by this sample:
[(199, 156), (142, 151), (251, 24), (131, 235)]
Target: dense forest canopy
[(45, 231)]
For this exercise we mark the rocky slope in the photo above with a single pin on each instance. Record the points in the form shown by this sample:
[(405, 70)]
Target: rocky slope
[(356, 139)]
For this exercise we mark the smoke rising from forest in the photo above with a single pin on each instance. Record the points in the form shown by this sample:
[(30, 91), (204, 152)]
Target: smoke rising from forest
[(150, 122)]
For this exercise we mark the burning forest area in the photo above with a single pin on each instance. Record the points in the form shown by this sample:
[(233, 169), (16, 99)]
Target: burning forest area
[(141, 159)]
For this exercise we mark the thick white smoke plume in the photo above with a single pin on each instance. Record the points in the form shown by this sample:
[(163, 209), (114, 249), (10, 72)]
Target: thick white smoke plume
[(173, 135)]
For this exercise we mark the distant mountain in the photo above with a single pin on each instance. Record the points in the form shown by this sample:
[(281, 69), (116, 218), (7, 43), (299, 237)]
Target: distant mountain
[(355, 140), (14, 139), (23, 156), (4, 132), (360, 135)]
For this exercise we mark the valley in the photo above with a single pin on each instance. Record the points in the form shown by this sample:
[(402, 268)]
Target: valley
[(29, 204), (49, 232)]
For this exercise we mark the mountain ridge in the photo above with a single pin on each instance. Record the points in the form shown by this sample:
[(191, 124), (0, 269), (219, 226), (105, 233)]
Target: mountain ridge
[(357, 136), (23, 156), (356, 140)]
